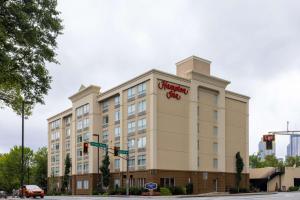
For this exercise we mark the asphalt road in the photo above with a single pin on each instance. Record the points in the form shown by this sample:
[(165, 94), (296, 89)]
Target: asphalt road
[(277, 196)]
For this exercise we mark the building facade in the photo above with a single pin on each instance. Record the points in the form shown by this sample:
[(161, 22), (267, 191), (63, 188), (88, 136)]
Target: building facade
[(263, 151), (178, 128)]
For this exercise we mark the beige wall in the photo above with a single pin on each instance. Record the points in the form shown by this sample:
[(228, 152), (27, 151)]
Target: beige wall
[(287, 179)]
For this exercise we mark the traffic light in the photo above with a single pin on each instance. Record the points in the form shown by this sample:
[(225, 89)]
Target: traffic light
[(268, 139), (116, 151), (85, 147), (269, 145)]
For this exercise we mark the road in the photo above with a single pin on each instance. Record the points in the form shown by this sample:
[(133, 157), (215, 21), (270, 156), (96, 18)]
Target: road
[(278, 196)]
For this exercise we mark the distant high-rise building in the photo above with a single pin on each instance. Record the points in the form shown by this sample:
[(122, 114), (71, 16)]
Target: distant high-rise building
[(263, 152), (293, 148)]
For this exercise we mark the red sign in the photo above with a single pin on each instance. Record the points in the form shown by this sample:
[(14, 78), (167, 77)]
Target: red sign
[(268, 138), (172, 89)]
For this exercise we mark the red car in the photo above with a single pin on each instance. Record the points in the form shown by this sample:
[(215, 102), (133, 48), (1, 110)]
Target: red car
[(32, 191)]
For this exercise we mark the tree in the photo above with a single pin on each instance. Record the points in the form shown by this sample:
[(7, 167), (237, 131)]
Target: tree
[(292, 161), (40, 165), (66, 179), (28, 32), (239, 164), (271, 161), (105, 170), (255, 161)]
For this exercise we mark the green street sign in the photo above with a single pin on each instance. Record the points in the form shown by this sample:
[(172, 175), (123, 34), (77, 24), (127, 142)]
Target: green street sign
[(96, 144), (123, 152)]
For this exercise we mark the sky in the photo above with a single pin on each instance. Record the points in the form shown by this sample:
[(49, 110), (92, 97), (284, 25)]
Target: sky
[(253, 43)]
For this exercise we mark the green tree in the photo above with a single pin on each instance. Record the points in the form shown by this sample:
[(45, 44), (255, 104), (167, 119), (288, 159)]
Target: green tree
[(292, 161), (28, 32), (105, 172), (271, 161), (255, 161), (40, 164), (239, 164), (66, 178)]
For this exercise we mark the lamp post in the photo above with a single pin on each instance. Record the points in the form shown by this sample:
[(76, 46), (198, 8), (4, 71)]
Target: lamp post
[(97, 135)]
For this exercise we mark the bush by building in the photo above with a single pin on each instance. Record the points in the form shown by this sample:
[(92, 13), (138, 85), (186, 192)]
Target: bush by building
[(165, 191)]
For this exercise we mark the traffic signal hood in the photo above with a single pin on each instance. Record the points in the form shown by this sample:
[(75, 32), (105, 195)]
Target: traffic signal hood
[(116, 151), (85, 147)]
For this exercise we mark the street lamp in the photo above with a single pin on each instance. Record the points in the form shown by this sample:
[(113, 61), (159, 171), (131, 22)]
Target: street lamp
[(97, 135)]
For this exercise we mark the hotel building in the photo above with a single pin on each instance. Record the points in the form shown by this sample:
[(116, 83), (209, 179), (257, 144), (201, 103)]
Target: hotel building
[(179, 128)]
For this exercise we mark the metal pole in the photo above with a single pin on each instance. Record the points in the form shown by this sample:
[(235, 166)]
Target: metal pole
[(98, 165), (22, 161), (127, 172)]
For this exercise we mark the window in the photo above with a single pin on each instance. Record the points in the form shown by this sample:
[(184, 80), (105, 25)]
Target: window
[(85, 184), (86, 167), (142, 160), (117, 100), (167, 182), (117, 164), (68, 120), (68, 145), (79, 167), (117, 115), (86, 108), (131, 162), (141, 88), (79, 112), (86, 136), (142, 142), (131, 144), (215, 147), (131, 92), (215, 115), (215, 163), (86, 123), (142, 124), (79, 138), (57, 146), (79, 152), (68, 132), (55, 135), (117, 183), (79, 184), (83, 110), (105, 105), (117, 131), (131, 109), (131, 127), (105, 120), (142, 106), (105, 135), (215, 131), (79, 125), (216, 100), (55, 124)]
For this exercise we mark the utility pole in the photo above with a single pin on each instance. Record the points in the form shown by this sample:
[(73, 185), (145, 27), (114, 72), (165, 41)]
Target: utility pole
[(127, 171), (98, 169)]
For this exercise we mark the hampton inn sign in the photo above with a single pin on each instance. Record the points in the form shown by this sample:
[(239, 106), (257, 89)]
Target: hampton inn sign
[(173, 89)]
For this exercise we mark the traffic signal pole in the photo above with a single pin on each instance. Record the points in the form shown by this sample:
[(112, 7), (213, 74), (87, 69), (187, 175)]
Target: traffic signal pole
[(127, 172)]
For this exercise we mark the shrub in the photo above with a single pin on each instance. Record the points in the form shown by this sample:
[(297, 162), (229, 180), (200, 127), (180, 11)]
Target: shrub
[(293, 188), (177, 190), (189, 188), (233, 190), (244, 190), (165, 191), (135, 191)]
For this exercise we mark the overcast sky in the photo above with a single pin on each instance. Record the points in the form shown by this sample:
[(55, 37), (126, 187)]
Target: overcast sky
[(253, 44)]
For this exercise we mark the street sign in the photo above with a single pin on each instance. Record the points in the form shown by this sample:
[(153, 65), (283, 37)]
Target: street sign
[(151, 186), (123, 152), (96, 144)]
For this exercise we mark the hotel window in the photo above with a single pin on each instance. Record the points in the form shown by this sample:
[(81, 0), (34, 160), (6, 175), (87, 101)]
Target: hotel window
[(130, 93), (141, 160), (131, 162), (79, 167), (105, 120), (79, 125), (67, 120), (79, 153), (215, 147), (215, 115), (54, 124), (117, 100), (142, 124), (68, 145), (79, 138), (142, 142), (105, 135), (117, 115), (117, 164), (68, 132), (85, 167), (55, 135), (167, 182), (57, 146), (131, 144), (86, 137), (86, 123), (117, 131), (79, 112), (142, 106), (141, 88), (131, 109), (215, 130), (79, 184), (85, 184), (105, 105), (56, 170), (86, 108), (215, 163), (131, 127)]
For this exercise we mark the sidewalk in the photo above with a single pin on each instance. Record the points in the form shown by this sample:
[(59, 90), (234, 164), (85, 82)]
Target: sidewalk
[(223, 194)]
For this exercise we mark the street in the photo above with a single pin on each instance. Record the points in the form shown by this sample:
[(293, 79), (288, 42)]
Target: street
[(277, 196)]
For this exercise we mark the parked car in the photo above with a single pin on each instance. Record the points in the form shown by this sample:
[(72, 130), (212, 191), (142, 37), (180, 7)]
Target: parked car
[(32, 191), (3, 194)]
